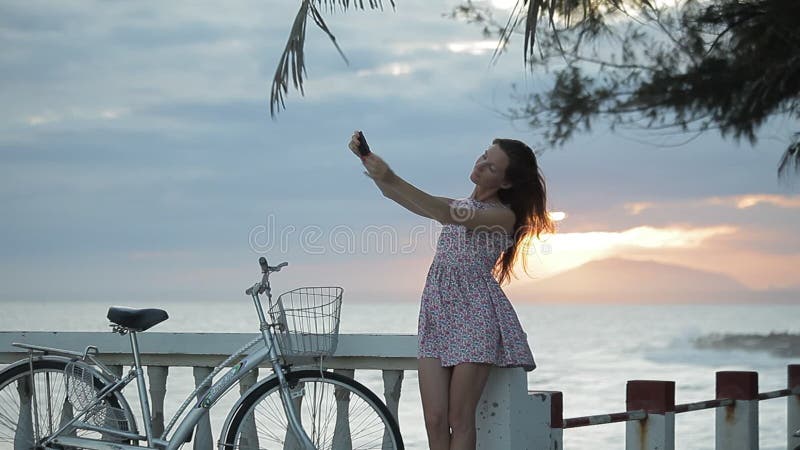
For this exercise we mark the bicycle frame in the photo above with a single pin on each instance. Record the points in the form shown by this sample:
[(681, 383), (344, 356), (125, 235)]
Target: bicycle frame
[(203, 404)]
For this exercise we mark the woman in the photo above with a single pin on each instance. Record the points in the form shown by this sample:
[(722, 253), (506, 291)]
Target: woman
[(466, 323)]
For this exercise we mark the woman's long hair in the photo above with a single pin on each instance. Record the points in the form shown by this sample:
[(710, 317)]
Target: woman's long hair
[(527, 197)]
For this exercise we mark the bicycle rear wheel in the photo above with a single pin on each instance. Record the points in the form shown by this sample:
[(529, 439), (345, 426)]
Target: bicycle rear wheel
[(336, 412), (34, 407)]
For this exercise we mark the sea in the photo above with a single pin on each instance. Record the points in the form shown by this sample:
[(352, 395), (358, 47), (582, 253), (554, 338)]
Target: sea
[(586, 351)]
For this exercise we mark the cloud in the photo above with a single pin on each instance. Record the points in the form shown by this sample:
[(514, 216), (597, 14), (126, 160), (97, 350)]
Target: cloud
[(472, 47), (562, 251), (751, 200), (159, 255), (739, 202), (393, 69), (44, 118), (636, 208), (76, 114)]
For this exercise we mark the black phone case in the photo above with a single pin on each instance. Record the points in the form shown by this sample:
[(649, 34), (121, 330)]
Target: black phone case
[(363, 147)]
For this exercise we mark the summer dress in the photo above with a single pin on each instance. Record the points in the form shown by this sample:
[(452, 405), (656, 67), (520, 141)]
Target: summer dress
[(464, 314)]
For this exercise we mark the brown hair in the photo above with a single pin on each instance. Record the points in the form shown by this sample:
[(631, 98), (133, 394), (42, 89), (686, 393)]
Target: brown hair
[(527, 197)]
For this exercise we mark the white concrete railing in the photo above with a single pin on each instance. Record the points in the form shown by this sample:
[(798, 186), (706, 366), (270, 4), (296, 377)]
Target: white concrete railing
[(505, 409), (508, 417)]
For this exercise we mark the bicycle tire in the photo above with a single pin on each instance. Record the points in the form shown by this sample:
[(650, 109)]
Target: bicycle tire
[(53, 377), (369, 423)]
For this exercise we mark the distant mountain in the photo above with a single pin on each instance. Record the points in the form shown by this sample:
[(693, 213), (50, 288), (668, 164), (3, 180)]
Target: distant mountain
[(633, 281)]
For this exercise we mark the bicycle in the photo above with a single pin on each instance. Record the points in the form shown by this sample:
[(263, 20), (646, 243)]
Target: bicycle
[(61, 399)]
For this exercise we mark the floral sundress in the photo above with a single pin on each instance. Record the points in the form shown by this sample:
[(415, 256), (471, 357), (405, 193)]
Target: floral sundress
[(464, 314)]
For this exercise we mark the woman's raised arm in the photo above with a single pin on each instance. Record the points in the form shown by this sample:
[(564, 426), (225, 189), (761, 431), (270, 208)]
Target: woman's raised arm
[(441, 209)]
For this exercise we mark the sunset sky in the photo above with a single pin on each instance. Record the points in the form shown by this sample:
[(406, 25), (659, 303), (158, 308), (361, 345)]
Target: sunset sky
[(138, 162)]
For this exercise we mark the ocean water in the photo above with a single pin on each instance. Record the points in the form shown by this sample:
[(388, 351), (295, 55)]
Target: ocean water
[(588, 352)]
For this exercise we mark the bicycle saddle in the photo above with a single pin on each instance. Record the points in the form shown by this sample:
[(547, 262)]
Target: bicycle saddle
[(136, 319)]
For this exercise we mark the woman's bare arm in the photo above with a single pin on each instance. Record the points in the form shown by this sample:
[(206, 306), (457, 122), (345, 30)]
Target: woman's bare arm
[(440, 208), (420, 202), (415, 208)]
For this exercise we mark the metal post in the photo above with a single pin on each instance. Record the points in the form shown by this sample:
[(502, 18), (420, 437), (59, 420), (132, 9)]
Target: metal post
[(548, 419), (142, 388), (737, 424), (793, 407), (657, 431)]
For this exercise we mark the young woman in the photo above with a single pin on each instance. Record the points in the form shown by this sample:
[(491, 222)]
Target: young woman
[(466, 323)]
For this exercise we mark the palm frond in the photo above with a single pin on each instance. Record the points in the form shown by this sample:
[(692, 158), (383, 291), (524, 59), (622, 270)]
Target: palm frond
[(790, 158), (292, 61), (531, 17), (324, 27), (292, 58), (505, 32), (531, 20), (358, 4)]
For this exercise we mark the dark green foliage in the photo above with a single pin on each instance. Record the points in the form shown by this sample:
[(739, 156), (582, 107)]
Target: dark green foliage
[(727, 65)]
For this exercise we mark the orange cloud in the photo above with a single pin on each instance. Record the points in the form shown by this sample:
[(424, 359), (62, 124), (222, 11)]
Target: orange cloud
[(563, 251), (750, 200), (733, 201), (637, 207)]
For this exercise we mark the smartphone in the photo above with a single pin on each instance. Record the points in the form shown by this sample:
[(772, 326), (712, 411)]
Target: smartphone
[(363, 147)]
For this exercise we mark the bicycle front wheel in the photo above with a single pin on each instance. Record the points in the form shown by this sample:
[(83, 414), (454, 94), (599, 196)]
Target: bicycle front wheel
[(35, 404), (336, 412)]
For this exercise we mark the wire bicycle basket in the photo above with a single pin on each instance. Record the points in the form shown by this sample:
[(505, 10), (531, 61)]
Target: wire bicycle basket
[(308, 320), (80, 390)]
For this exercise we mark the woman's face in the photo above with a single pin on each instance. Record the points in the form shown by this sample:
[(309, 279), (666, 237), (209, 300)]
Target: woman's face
[(490, 169)]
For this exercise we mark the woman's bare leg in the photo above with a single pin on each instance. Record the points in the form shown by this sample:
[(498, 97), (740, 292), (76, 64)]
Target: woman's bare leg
[(466, 385), (434, 387)]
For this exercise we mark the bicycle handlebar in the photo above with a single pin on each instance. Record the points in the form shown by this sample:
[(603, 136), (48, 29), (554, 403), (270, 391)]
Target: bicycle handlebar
[(266, 269)]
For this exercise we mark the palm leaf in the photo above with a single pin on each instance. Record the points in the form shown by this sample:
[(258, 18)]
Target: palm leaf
[(790, 158), (531, 17), (292, 58), (291, 64)]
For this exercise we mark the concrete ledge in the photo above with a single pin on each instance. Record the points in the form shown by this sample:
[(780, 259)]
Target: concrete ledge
[(354, 351)]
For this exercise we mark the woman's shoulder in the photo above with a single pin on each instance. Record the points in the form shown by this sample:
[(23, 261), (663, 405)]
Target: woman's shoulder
[(492, 204)]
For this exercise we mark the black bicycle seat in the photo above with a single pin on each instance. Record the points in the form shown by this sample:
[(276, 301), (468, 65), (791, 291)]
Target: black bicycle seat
[(136, 319)]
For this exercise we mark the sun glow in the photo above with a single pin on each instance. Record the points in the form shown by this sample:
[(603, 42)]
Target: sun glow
[(554, 253)]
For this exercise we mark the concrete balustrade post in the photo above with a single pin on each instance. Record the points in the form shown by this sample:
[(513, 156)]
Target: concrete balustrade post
[(249, 435), (203, 440), (392, 382), (23, 435), (508, 416), (657, 431), (737, 424), (157, 378), (793, 406), (341, 432)]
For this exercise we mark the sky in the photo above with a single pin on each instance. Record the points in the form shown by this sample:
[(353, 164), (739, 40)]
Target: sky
[(139, 162)]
